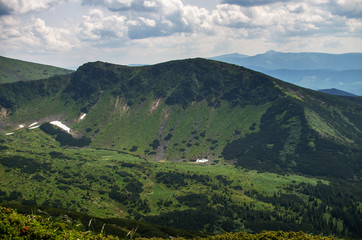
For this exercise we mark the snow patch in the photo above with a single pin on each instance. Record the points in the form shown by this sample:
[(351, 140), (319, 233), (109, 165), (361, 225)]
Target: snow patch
[(33, 124), (8, 134), (204, 160), (33, 127), (60, 125), (82, 116), (21, 126)]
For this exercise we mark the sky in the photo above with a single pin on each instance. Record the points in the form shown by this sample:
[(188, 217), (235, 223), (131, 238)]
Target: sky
[(69, 33)]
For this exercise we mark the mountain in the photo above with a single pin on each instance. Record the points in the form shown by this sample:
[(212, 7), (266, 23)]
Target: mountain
[(347, 80), (273, 60), (337, 92), (310, 70), (193, 109), (12, 70), (191, 144)]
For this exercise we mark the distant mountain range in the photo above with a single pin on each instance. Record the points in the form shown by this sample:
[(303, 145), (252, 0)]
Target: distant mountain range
[(310, 70), (337, 92)]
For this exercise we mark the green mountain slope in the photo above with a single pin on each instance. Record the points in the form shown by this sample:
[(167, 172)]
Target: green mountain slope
[(194, 109), (277, 156), (13, 70)]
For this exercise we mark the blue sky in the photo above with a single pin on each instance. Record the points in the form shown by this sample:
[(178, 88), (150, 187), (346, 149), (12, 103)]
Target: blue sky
[(68, 33)]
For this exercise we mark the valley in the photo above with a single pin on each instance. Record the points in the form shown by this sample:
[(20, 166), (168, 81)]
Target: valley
[(194, 196)]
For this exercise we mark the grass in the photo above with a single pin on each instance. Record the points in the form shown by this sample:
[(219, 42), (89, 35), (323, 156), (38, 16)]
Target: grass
[(205, 132), (47, 107), (322, 127), (79, 163), (199, 130), (133, 127), (82, 179)]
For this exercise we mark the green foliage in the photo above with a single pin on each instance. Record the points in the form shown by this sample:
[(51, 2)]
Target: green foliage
[(192, 196), (16, 94), (65, 139), (17, 226), (288, 144)]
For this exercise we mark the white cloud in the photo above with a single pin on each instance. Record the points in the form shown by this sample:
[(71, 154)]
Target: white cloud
[(278, 20), (159, 6), (197, 19), (113, 5), (24, 6), (149, 4), (149, 18), (348, 8), (98, 27), (34, 36), (148, 22), (249, 3), (354, 25)]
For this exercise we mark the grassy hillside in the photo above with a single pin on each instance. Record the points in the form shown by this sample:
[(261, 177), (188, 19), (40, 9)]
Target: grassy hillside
[(193, 109), (13, 70)]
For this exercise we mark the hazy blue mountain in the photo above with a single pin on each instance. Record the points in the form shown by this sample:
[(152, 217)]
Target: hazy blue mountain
[(310, 70), (337, 92), (273, 60), (346, 80)]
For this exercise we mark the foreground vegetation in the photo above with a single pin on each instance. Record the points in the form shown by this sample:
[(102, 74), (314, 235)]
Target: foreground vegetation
[(36, 170), (32, 226)]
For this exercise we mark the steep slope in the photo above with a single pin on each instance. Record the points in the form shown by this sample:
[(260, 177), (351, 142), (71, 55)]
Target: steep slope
[(12, 70), (197, 108)]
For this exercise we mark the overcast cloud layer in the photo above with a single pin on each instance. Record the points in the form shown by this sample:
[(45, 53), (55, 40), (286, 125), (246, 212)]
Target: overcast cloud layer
[(70, 32)]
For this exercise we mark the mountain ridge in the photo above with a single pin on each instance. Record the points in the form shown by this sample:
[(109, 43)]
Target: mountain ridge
[(187, 109)]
